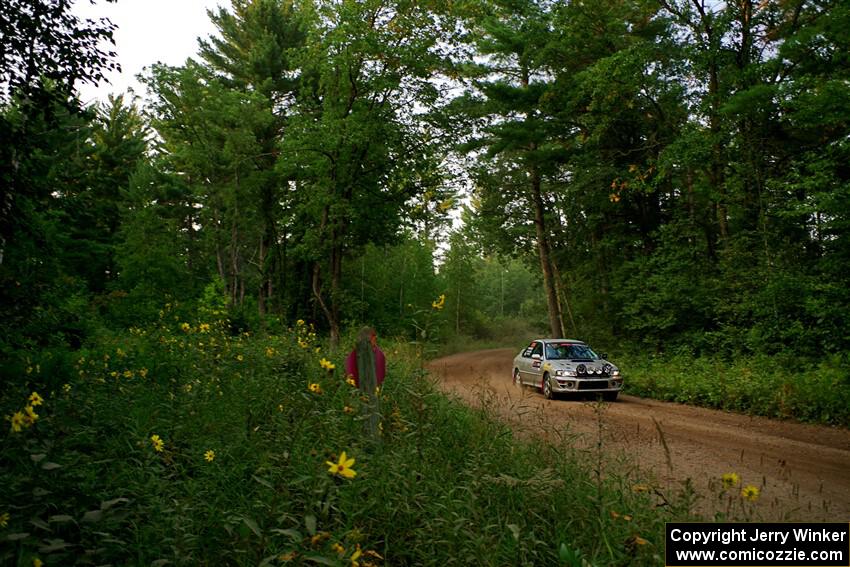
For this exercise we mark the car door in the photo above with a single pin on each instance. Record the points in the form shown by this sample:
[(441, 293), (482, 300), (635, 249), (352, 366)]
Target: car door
[(536, 364), (524, 364)]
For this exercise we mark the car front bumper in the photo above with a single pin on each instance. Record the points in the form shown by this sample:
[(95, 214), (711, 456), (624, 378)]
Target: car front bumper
[(563, 384)]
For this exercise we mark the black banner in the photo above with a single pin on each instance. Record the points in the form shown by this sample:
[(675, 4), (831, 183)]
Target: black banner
[(758, 544)]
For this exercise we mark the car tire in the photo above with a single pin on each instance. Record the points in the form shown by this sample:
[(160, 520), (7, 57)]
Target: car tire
[(610, 396), (547, 388), (517, 379)]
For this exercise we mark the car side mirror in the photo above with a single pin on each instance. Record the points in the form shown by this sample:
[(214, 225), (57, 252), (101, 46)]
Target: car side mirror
[(536, 357), (603, 355)]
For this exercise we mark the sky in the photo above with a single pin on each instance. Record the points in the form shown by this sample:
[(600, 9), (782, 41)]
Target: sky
[(149, 31)]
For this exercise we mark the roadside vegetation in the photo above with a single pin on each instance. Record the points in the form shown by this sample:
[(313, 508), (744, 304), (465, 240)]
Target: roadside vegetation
[(183, 443), (782, 387)]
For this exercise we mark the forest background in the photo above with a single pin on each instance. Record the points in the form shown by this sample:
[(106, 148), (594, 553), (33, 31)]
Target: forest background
[(664, 177)]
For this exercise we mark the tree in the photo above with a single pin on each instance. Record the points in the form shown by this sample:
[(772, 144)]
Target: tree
[(253, 56), (510, 84), (46, 51), (93, 193), (354, 137)]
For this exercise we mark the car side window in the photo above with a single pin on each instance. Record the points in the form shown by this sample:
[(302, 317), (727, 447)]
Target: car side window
[(538, 349), (527, 352)]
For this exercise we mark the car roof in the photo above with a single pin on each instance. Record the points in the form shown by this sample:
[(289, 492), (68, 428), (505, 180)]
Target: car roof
[(576, 341)]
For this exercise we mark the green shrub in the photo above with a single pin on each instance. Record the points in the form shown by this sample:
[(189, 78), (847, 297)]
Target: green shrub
[(781, 387)]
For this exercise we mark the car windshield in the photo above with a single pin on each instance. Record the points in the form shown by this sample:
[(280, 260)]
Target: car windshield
[(569, 351)]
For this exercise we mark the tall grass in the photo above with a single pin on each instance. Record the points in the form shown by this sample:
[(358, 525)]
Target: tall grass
[(238, 472)]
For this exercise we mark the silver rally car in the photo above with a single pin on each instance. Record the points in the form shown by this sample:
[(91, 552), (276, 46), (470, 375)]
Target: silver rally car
[(561, 366)]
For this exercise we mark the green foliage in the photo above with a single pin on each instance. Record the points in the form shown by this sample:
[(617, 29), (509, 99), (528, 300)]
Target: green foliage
[(180, 442), (388, 285), (783, 387), (45, 43)]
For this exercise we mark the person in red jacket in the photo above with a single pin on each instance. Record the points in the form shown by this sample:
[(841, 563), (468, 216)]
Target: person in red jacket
[(380, 360)]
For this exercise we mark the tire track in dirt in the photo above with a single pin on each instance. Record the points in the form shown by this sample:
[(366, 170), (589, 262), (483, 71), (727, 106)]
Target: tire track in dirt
[(803, 471)]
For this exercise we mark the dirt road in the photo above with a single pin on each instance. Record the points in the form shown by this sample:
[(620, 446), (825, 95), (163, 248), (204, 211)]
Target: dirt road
[(803, 471)]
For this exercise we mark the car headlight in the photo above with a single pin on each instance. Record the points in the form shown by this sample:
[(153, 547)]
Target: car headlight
[(564, 373), (615, 372)]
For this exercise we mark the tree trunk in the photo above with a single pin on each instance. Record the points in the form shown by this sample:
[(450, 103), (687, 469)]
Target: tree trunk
[(555, 321), (565, 294), (336, 290), (261, 292), (716, 174), (331, 312)]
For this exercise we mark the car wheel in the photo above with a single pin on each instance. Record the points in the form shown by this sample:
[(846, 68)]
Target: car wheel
[(547, 388), (517, 379), (610, 396)]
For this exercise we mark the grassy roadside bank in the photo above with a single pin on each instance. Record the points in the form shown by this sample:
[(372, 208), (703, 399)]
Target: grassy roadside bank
[(182, 445), (767, 386)]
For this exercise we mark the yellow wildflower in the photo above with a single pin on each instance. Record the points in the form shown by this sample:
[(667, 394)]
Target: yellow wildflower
[(240, 358), (37, 562), (120, 353), (730, 479), (204, 327), (440, 302), (750, 493), (342, 467), (280, 407), (350, 381), (327, 364), (303, 344), (186, 327), (30, 416), (66, 388), (338, 548), (209, 456), (319, 538), (315, 388), (270, 352), (348, 409), (35, 399), (158, 444), (143, 372), (128, 374), (355, 556), (300, 322), (4, 519)]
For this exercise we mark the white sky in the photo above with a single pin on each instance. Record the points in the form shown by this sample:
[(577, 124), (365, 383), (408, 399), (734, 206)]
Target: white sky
[(149, 31)]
